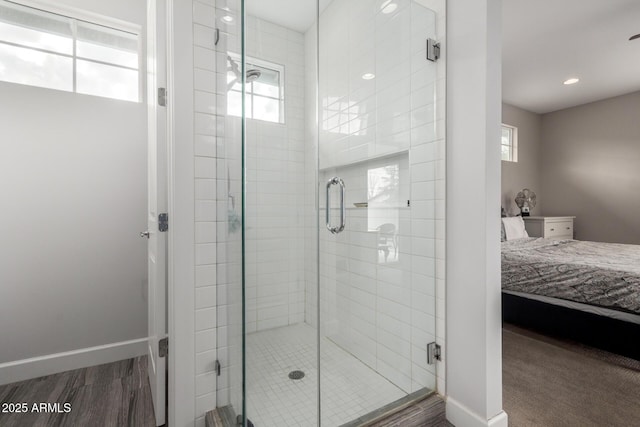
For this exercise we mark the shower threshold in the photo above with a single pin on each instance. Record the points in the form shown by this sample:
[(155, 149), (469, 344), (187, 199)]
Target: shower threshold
[(423, 407), (376, 417), (221, 417)]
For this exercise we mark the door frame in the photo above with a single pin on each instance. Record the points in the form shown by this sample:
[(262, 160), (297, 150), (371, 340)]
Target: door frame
[(181, 200)]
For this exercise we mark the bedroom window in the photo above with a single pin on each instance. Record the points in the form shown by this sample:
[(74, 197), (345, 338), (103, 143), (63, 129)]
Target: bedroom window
[(264, 97), (45, 49), (509, 143)]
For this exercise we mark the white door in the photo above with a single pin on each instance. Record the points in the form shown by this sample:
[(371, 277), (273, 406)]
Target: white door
[(157, 188)]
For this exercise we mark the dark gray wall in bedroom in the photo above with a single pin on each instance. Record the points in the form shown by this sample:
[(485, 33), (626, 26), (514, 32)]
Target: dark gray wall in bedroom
[(590, 168), (525, 173)]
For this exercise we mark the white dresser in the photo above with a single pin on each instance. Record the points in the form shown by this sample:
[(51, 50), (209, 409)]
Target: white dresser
[(556, 227)]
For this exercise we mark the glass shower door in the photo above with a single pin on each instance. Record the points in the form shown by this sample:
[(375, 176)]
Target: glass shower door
[(381, 127), (343, 202)]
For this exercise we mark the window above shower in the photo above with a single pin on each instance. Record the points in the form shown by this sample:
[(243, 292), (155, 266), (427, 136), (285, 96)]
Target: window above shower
[(264, 95), (50, 50)]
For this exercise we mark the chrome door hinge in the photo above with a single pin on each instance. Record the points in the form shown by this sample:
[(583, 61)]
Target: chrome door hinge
[(163, 222), (433, 50), (163, 347), (162, 96), (433, 353), (218, 368)]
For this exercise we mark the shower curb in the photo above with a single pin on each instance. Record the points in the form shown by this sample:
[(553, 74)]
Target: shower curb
[(221, 417), (421, 408), (404, 411)]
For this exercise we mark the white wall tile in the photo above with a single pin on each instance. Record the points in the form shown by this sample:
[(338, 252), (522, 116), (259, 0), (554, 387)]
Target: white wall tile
[(205, 167), (205, 102), (203, 36), (204, 14), (205, 318), (205, 211), (205, 402), (205, 384), (205, 80), (206, 340), (205, 253), (205, 124), (204, 58), (205, 362), (206, 275), (206, 232), (206, 297), (205, 189)]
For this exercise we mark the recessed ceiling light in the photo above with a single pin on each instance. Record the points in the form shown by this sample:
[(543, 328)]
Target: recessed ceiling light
[(227, 18), (368, 76), (571, 81), (388, 7)]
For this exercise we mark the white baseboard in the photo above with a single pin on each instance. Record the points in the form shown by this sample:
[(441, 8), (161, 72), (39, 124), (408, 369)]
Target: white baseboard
[(461, 416), (35, 367)]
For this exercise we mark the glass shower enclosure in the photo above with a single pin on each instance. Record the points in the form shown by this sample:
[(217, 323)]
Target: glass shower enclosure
[(331, 178)]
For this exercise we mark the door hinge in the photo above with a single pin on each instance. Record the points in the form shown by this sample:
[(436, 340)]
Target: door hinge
[(218, 368), (162, 96), (163, 222), (433, 353), (433, 50), (163, 347)]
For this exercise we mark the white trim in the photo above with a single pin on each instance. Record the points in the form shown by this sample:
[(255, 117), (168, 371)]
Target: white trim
[(473, 304), (35, 367), (461, 416), (513, 143), (181, 235), (81, 14)]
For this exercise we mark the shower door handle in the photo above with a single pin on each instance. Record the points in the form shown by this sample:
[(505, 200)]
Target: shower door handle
[(343, 209)]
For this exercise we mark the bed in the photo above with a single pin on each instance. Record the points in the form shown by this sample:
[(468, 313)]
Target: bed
[(584, 291)]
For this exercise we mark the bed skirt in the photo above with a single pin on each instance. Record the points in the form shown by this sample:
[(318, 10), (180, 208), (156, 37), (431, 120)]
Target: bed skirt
[(602, 332)]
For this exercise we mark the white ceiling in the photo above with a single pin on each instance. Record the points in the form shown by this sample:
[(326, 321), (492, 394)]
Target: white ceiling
[(297, 15), (546, 42)]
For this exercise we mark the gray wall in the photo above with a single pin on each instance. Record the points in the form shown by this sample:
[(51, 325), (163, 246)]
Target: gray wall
[(73, 197), (525, 173), (591, 168)]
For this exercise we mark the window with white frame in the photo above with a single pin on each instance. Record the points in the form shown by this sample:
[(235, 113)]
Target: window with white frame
[(509, 143), (40, 48), (264, 94)]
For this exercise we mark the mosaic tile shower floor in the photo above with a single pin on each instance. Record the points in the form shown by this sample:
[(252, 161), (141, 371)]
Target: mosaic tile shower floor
[(349, 388)]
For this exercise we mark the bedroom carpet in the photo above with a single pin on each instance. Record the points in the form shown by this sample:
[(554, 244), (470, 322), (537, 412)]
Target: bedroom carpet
[(549, 382)]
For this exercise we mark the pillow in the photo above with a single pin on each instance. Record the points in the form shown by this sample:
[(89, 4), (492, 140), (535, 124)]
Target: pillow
[(514, 228)]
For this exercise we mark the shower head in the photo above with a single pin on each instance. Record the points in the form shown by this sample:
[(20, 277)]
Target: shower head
[(253, 75), (234, 67)]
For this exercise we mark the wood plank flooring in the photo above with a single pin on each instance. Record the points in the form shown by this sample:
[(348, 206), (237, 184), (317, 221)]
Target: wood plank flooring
[(110, 395)]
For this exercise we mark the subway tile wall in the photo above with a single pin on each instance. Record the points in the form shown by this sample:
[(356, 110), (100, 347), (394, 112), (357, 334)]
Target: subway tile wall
[(274, 233), (275, 192), (217, 162)]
